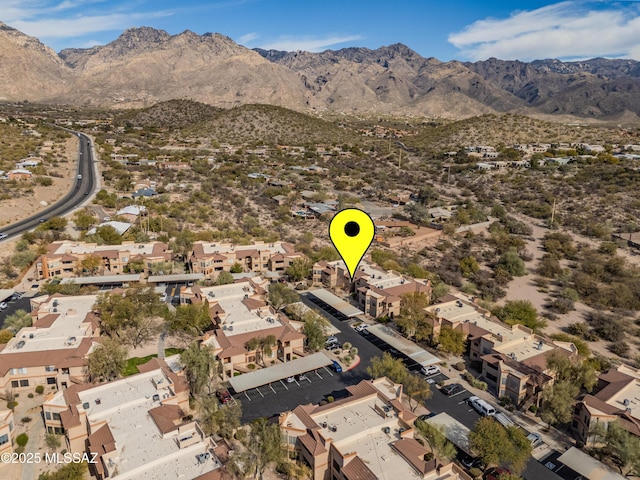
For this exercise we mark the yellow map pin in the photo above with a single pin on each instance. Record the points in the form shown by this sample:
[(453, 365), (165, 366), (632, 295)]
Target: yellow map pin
[(351, 232)]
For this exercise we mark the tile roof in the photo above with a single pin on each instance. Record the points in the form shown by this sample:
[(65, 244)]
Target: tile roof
[(356, 469), (414, 453), (167, 417)]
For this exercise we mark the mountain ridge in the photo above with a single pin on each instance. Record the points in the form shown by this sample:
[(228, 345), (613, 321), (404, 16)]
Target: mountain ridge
[(145, 65)]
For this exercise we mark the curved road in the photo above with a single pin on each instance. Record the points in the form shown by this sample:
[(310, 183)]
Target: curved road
[(82, 189)]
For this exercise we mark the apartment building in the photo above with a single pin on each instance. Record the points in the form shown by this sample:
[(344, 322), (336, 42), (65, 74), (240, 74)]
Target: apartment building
[(239, 313), (137, 427), (212, 258), (513, 358), (366, 436), (7, 431), (52, 352), (378, 292), (616, 397), (65, 258)]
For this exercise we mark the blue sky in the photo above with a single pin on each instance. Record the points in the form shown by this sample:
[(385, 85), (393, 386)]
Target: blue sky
[(453, 29)]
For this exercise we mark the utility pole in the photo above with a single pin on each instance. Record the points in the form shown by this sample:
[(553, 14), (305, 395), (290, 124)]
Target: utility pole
[(553, 213)]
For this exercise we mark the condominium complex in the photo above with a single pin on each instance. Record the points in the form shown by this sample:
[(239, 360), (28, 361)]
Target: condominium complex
[(514, 359), (378, 291), (70, 259), (7, 431), (52, 352), (616, 397), (366, 436), (212, 258), (239, 314), (137, 427)]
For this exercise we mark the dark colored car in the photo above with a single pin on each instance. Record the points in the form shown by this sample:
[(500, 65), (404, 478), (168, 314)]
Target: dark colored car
[(471, 462), (224, 396), (451, 389), (494, 473), (426, 416)]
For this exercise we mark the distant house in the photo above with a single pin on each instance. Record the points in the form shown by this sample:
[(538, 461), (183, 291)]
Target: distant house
[(280, 199), (131, 212), (145, 192), (19, 174), (120, 227), (30, 162)]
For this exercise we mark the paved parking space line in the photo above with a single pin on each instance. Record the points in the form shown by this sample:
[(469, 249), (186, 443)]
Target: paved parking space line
[(259, 392), (328, 371), (248, 397), (459, 393), (294, 379), (271, 387), (284, 385), (316, 372)]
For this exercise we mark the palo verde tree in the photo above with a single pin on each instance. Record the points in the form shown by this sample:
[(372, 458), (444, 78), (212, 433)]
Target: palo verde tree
[(107, 361), (412, 319)]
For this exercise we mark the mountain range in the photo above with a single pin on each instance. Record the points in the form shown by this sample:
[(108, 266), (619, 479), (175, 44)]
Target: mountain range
[(144, 66)]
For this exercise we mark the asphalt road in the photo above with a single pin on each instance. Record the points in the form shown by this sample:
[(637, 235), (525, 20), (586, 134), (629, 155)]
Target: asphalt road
[(22, 304), (82, 189)]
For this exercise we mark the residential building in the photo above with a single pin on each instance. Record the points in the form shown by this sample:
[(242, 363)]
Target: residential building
[(138, 427), (19, 174), (29, 162), (239, 314), (131, 213), (513, 358), (213, 258), (65, 258), (366, 436), (7, 431), (378, 291), (53, 351), (616, 397)]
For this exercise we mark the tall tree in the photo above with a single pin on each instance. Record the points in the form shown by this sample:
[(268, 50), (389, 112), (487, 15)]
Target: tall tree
[(299, 269), (263, 448), (387, 366), (200, 365), (497, 445), (91, 264), (522, 312), (189, 320), (417, 390), (557, 402), (315, 329), (132, 317), (452, 341), (107, 361), (435, 437), (624, 448), (281, 295), (17, 320), (224, 278), (412, 314)]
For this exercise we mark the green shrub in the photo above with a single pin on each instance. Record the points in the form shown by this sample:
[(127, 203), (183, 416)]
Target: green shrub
[(25, 419), (12, 405), (251, 366), (40, 389), (30, 395), (533, 408), (22, 439), (330, 399), (459, 366)]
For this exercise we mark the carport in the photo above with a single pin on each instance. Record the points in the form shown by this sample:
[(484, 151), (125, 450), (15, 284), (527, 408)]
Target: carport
[(406, 347), (587, 466), (5, 294), (269, 375), (334, 305), (112, 280), (455, 431), (175, 278)]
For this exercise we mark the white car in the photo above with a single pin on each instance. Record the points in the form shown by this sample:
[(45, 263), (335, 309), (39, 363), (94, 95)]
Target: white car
[(3, 305), (362, 327), (430, 370)]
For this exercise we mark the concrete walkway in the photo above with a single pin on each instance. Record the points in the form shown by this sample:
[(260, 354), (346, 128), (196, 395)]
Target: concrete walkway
[(35, 432)]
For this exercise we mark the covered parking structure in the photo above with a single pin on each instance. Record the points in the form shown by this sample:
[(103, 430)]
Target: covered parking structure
[(333, 305), (107, 280), (406, 347), (266, 376), (175, 278), (455, 431), (587, 466)]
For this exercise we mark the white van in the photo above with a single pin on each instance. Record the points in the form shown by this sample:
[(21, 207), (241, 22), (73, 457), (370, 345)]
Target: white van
[(481, 406)]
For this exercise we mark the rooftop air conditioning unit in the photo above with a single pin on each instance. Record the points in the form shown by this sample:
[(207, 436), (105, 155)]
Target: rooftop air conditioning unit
[(626, 402), (85, 405), (55, 310), (156, 398), (55, 303), (230, 328), (31, 335), (386, 430)]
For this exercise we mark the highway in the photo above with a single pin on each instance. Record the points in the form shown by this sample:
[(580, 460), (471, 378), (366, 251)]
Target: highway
[(79, 193)]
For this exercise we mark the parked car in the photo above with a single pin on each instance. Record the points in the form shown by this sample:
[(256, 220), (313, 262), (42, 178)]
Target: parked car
[(3, 305), (428, 415), (332, 339), (301, 377), (535, 439), (471, 462), (430, 370), (3, 236), (494, 473), (362, 328), (333, 346), (290, 379), (224, 396), (336, 366), (163, 297), (452, 389)]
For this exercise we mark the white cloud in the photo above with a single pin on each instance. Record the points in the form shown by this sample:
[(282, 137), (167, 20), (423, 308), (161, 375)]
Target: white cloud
[(565, 30), (83, 25), (308, 43), (247, 38)]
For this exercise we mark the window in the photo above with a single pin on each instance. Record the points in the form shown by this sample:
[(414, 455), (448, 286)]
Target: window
[(4, 439), (58, 430), (51, 380), (56, 416), (50, 368), (47, 415), (11, 426), (24, 383), (17, 371), (15, 384)]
